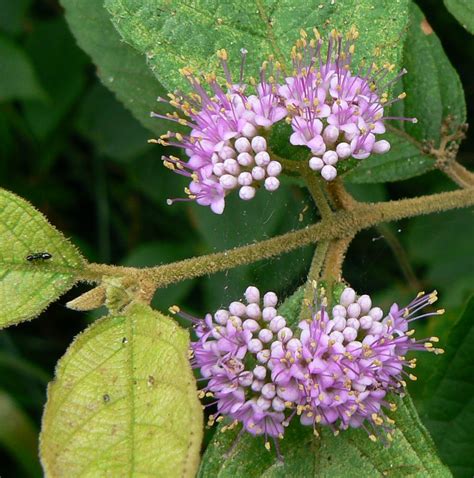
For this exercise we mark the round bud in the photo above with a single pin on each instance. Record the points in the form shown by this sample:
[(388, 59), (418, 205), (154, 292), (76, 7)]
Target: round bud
[(254, 346), (353, 310), (263, 356), (218, 169), (271, 183), (259, 144), (285, 334), (263, 403), (258, 173), (328, 172), (260, 372), (376, 313), (343, 150), (245, 159), (339, 310), (293, 345), (246, 379), (249, 130), (330, 157), (237, 308), (252, 295), (277, 323), (278, 404), (339, 323), (381, 146), (349, 334), (227, 152), (366, 322), (265, 335), (246, 193), (262, 158), (269, 390), (274, 168), (268, 313), (348, 296), (316, 164), (251, 325), (330, 134), (354, 323), (257, 385), (245, 179), (228, 181), (337, 336), (270, 299), (242, 145), (365, 303), (377, 328), (221, 316), (232, 166)]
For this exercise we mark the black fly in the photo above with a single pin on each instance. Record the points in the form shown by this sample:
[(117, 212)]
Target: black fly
[(38, 256)]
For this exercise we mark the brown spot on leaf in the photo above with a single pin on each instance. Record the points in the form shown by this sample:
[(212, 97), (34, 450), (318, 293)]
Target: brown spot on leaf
[(426, 27)]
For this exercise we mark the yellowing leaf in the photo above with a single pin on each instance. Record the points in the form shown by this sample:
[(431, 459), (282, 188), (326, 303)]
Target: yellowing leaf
[(124, 402), (27, 287)]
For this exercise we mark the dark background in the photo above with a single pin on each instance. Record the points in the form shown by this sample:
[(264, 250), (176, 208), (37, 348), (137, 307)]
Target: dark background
[(81, 158)]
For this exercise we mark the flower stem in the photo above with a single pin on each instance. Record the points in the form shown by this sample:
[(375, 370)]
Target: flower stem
[(316, 189), (337, 226)]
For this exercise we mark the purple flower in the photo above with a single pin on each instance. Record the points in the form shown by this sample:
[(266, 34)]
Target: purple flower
[(226, 147), (336, 112)]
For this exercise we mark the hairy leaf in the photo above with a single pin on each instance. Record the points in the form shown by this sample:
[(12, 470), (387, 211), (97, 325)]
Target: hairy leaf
[(179, 34), (121, 69), (434, 92), (124, 401), (463, 11), (449, 402), (27, 287), (350, 454)]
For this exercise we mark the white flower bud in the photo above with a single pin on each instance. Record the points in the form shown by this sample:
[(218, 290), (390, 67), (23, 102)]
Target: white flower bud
[(246, 379), (228, 181), (376, 313), (330, 134), (337, 336), (257, 385), (237, 308), (246, 193), (354, 323), (381, 146), (251, 325), (242, 145), (245, 179), (258, 173), (218, 169), (316, 164), (232, 166), (366, 322), (274, 168), (348, 296), (353, 310), (227, 152), (221, 316), (293, 345), (339, 310), (330, 157), (349, 334), (329, 172), (254, 346), (259, 144), (339, 323), (245, 159), (271, 184), (260, 372), (253, 311), (262, 158), (343, 150), (252, 295), (278, 404), (269, 390), (249, 130), (263, 356), (270, 299), (285, 334), (365, 303), (377, 328), (265, 335), (277, 323), (269, 313), (263, 403)]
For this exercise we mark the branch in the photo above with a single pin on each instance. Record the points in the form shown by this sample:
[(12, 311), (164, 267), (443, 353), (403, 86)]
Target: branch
[(339, 225)]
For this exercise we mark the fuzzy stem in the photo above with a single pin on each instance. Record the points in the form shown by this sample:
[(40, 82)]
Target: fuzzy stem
[(335, 258), (314, 186), (342, 199), (336, 226), (458, 173)]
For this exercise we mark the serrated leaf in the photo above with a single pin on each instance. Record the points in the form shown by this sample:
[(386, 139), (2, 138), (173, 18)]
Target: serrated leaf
[(449, 407), (350, 454), (178, 34), (18, 79), (124, 402), (119, 66), (27, 287), (463, 11), (434, 91)]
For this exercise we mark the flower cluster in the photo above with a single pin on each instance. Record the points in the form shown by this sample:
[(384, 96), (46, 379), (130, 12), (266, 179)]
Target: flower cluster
[(334, 369), (333, 111)]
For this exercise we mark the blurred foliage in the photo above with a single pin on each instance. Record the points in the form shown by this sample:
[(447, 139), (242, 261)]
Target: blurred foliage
[(78, 155)]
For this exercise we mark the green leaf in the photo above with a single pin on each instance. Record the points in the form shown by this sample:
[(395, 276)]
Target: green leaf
[(18, 436), (176, 34), (12, 15), (449, 404), (350, 454), (124, 401), (63, 85), (17, 77), (434, 91), (120, 68), (463, 11), (27, 287)]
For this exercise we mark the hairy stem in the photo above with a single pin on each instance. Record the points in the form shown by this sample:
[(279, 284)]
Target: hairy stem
[(341, 198), (339, 225), (458, 173), (335, 258), (317, 192)]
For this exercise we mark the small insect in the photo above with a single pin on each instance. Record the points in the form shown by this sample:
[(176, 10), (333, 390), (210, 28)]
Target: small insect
[(38, 256)]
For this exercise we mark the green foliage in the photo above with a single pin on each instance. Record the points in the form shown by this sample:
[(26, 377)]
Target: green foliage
[(350, 454), (12, 15), (434, 92), (27, 287), (463, 10), (180, 34), (18, 435), (17, 77), (120, 68), (124, 401), (449, 405)]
